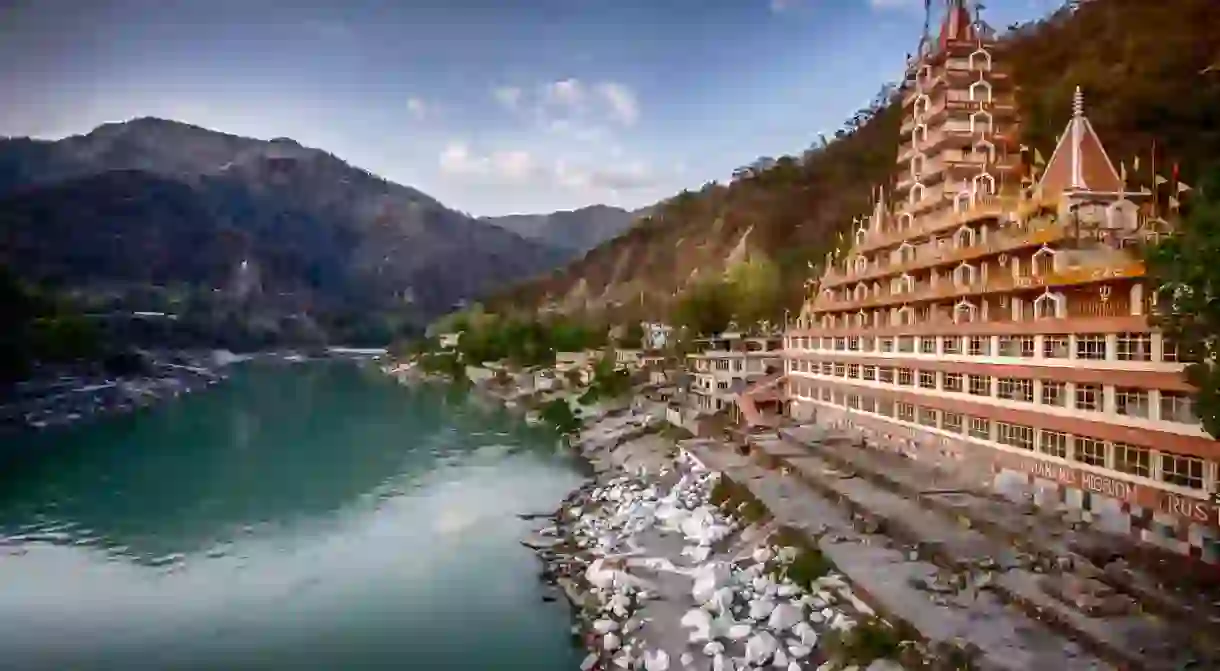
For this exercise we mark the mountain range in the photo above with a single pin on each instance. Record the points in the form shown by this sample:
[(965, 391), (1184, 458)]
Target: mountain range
[(270, 238)]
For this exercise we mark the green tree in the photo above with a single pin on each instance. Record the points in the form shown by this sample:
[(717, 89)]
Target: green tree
[(705, 308), (756, 290), (1188, 308)]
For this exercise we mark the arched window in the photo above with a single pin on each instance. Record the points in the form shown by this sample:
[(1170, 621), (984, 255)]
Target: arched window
[(922, 106), (861, 292), (961, 201), (980, 91), (861, 262), (964, 312), (1044, 261), (980, 122), (906, 315), (964, 237), (906, 252), (1049, 305), (906, 220), (980, 60), (918, 192), (965, 274), (984, 185), (919, 135), (917, 165), (859, 236)]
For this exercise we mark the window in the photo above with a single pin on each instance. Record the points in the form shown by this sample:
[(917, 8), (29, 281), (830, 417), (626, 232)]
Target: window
[(868, 404), (1182, 471), (885, 375), (951, 344), (951, 421), (1009, 346), (828, 368), (853, 371), (1132, 459), (866, 344), (906, 344), (927, 379), (853, 402), (1092, 347), (980, 428), (906, 412), (840, 344), (1027, 347), (828, 342), (1178, 407), (1169, 350), (870, 373), (1088, 397), (887, 344), (980, 346), (953, 382), (1055, 347), (1054, 393), (1015, 435), (885, 407), (1015, 389), (853, 344), (1132, 402), (980, 385), (825, 393), (927, 345), (927, 416), (1090, 451), (840, 370), (1134, 347), (1054, 443), (905, 377)]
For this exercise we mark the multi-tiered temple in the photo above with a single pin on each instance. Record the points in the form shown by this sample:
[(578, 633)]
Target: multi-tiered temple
[(995, 318)]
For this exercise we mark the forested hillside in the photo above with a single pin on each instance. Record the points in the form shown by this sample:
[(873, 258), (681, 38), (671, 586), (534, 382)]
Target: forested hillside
[(1150, 71)]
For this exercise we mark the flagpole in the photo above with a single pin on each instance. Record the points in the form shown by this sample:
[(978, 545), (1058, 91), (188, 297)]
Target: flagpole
[(1155, 193)]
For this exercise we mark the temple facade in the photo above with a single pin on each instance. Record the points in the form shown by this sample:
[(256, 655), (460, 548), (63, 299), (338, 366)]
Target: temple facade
[(991, 315)]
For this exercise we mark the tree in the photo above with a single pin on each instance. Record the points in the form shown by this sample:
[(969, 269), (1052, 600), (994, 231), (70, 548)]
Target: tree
[(705, 308), (756, 289), (1188, 308)]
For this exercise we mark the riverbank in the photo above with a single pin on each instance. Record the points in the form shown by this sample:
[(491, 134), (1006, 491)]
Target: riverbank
[(67, 396)]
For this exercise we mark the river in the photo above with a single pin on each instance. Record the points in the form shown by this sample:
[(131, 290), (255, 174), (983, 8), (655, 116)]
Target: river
[(315, 516)]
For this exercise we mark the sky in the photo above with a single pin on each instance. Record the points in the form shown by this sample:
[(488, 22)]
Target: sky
[(493, 107)]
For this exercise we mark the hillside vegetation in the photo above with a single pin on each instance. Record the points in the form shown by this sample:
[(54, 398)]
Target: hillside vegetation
[(1144, 69)]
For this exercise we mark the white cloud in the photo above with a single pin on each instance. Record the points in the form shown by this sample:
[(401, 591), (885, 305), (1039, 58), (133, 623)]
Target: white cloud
[(417, 108), (566, 92), (521, 168), (624, 107), (508, 96)]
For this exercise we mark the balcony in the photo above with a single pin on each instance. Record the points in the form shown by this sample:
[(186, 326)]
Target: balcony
[(949, 291), (1000, 242)]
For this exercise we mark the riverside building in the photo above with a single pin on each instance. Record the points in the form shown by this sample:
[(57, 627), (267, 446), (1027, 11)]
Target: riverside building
[(1001, 327)]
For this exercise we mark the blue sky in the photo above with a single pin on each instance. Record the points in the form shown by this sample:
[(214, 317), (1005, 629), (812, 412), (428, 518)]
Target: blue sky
[(492, 107)]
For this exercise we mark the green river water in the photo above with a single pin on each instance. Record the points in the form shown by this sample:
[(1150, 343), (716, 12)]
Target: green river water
[(314, 516)]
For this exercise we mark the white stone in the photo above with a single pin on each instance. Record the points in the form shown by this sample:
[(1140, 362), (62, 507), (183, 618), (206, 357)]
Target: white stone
[(610, 642), (588, 662), (760, 647), (762, 554), (761, 609), (687, 659), (799, 651), (785, 616), (739, 631), (806, 634), (780, 660), (657, 660), (605, 626), (713, 648)]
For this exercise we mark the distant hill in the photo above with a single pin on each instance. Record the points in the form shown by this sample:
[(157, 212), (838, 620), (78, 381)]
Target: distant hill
[(1144, 68), (574, 230), (156, 214)]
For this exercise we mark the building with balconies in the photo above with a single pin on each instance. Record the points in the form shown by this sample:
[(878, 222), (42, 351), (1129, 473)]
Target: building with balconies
[(996, 320), (726, 364)]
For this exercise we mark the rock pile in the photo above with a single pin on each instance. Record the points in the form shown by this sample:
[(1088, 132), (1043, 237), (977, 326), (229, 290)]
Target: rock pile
[(662, 579)]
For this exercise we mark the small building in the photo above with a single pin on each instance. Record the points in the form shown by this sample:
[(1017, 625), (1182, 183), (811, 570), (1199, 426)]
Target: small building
[(449, 340), (727, 363), (656, 335), (628, 359)]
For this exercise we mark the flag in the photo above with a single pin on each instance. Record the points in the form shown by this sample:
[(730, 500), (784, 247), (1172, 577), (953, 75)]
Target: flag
[(1183, 187), (1175, 171), (1038, 160), (1122, 171), (1159, 180)]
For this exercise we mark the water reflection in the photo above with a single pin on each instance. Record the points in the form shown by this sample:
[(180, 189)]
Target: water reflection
[(306, 518)]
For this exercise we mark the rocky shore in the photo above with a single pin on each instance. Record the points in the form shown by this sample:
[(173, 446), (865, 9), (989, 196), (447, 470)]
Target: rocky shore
[(668, 566)]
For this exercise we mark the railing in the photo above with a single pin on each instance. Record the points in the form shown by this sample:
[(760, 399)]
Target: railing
[(986, 206), (1000, 242), (1070, 276)]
